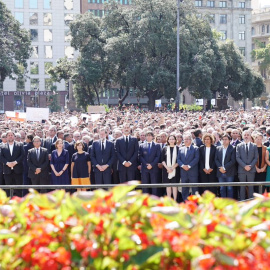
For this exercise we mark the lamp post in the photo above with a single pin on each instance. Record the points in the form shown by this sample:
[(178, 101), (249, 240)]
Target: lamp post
[(177, 101)]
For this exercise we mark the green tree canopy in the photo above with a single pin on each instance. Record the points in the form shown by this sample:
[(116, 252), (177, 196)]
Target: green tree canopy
[(15, 45)]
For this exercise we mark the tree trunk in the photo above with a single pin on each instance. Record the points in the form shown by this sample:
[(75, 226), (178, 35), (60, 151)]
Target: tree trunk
[(151, 100), (122, 99), (96, 91)]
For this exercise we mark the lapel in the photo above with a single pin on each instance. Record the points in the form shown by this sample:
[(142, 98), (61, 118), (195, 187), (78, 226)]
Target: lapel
[(188, 152), (8, 150)]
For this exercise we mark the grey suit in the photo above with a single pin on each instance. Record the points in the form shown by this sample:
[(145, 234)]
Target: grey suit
[(243, 159)]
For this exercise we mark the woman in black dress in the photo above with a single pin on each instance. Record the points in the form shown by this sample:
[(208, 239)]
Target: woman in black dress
[(80, 166), (170, 170)]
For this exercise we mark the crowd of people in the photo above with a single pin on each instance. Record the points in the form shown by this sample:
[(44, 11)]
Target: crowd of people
[(153, 147)]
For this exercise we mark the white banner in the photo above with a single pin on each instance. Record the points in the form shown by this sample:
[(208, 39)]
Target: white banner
[(37, 114)]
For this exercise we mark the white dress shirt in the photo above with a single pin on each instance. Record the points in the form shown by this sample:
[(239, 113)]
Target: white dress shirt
[(207, 156), (11, 148)]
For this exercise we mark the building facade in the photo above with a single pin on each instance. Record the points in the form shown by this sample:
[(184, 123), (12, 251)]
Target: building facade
[(261, 33), (48, 25)]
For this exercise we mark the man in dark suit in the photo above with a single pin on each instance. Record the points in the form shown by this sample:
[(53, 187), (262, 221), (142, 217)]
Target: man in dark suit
[(198, 137), (235, 135), (149, 156), (246, 157), (188, 159), (59, 135), (117, 133), (127, 153), (226, 160), (102, 158), (12, 154), (51, 139), (38, 161)]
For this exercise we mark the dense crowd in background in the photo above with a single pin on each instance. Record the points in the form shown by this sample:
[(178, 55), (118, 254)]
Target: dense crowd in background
[(153, 147)]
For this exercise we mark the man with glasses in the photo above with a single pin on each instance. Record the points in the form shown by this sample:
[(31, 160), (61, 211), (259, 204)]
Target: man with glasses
[(188, 159), (38, 162)]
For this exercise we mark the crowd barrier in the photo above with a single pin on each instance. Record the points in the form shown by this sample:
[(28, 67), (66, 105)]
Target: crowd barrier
[(48, 187)]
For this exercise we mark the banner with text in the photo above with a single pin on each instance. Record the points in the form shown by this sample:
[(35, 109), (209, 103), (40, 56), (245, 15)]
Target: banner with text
[(37, 114)]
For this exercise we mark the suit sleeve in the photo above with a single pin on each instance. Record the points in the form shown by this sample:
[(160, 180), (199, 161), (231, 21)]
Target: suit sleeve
[(29, 161), (134, 157), (202, 159), (238, 157), (118, 154), (112, 155), (213, 163), (218, 162), (93, 155), (232, 161), (3, 159), (256, 155), (196, 158), (20, 157), (46, 163), (141, 158), (179, 161)]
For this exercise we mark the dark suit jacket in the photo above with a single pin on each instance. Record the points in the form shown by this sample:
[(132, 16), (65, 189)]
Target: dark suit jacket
[(47, 143), (153, 158), (130, 154), (198, 142), (42, 163), (71, 149), (212, 162), (235, 143), (229, 161), (267, 143), (17, 155), (99, 158), (26, 148), (191, 159)]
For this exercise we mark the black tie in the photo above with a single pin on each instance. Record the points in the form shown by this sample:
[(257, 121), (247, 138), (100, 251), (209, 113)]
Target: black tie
[(247, 149), (37, 154), (102, 147), (127, 142), (187, 151)]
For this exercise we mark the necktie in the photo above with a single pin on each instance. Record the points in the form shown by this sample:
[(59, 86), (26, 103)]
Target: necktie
[(102, 147), (149, 148), (37, 154), (187, 151), (247, 149), (127, 142)]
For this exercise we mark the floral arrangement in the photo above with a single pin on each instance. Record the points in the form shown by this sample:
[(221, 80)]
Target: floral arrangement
[(125, 229)]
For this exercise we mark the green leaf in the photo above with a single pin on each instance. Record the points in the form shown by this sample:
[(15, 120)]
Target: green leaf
[(225, 259), (23, 241), (121, 191), (221, 203), (225, 230), (126, 243), (76, 256), (109, 263), (142, 256)]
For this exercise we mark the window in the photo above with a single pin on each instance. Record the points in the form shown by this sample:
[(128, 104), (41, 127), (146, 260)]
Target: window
[(242, 5), (34, 68), (211, 3), (18, 3), (253, 46), (68, 36), (34, 84), (242, 35), (19, 17), (2, 104), (47, 4), (47, 66), (34, 35), (211, 18), (267, 29), (198, 3), (222, 4), (33, 18), (242, 19), (48, 35), (263, 44), (47, 18), (69, 52), (1, 86), (242, 50), (33, 4), (68, 18), (252, 31), (223, 18), (68, 4), (34, 52), (48, 51), (223, 35), (48, 84), (20, 84), (18, 103)]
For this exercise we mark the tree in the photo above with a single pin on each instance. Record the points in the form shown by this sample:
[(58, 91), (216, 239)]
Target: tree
[(15, 45), (240, 81)]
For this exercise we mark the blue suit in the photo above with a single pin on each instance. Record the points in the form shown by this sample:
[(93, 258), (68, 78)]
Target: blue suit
[(26, 179), (191, 176), (102, 158), (149, 157), (130, 154)]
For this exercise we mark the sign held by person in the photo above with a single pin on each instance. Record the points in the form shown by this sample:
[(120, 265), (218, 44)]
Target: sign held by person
[(37, 114), (96, 109)]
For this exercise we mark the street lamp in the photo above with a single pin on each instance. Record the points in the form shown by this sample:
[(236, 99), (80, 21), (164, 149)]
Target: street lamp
[(177, 101)]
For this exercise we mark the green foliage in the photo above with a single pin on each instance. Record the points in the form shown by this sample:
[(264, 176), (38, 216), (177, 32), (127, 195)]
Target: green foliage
[(240, 80), (15, 45), (192, 107)]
